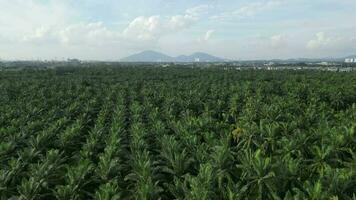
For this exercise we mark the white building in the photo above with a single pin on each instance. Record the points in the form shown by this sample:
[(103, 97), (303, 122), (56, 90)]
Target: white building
[(350, 60), (324, 63)]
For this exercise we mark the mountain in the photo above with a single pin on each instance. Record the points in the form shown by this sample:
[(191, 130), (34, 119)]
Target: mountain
[(199, 57), (153, 56), (148, 56)]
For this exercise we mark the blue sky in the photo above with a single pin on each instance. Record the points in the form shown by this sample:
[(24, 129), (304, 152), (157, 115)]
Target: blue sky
[(235, 29)]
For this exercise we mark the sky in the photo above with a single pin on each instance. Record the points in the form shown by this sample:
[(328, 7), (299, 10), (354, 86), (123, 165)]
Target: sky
[(232, 29)]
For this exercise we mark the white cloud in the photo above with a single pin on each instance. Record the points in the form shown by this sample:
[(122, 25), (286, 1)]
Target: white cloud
[(254, 8), (75, 34), (90, 33), (207, 36), (332, 43), (321, 41), (278, 41), (20, 16), (63, 28), (41, 35), (180, 22), (197, 11), (144, 28), (52, 31), (154, 27), (248, 10)]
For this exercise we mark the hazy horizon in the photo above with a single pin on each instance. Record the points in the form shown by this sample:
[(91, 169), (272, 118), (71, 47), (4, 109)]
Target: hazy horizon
[(111, 30)]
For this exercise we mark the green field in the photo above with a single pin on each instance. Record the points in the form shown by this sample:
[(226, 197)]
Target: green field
[(177, 133)]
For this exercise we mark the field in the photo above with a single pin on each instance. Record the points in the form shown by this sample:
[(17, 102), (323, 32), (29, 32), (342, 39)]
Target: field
[(177, 133)]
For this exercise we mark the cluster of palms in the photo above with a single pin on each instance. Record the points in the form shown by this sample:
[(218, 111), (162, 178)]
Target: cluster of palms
[(177, 133)]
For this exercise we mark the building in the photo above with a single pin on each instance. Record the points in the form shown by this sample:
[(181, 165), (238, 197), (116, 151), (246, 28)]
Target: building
[(323, 63), (350, 60), (269, 64), (74, 61)]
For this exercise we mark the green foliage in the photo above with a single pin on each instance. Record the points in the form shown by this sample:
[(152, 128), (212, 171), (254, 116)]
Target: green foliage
[(177, 133)]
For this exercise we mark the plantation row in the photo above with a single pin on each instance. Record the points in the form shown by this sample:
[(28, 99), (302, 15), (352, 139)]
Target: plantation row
[(177, 133)]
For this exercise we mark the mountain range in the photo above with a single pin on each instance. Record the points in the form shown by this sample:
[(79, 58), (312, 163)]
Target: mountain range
[(153, 56)]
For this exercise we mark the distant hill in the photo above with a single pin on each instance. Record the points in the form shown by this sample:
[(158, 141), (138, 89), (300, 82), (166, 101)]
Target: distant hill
[(199, 57), (153, 56), (148, 56)]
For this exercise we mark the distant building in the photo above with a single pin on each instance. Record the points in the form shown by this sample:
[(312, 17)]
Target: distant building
[(197, 59), (269, 64), (324, 63), (165, 65), (73, 60), (350, 60)]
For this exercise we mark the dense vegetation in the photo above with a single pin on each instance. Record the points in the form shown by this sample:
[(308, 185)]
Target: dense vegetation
[(177, 133)]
